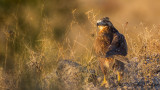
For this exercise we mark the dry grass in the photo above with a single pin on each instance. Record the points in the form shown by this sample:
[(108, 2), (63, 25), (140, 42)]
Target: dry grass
[(34, 68)]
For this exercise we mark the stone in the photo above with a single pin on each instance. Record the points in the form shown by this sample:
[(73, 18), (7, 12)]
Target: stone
[(73, 75)]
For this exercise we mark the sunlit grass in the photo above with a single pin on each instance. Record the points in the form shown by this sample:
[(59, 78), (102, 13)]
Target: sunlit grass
[(35, 65)]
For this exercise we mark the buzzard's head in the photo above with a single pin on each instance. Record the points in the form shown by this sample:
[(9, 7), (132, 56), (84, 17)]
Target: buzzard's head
[(104, 24)]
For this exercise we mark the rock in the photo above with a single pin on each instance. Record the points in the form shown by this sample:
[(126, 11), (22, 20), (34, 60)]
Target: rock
[(130, 88), (73, 75), (156, 87), (155, 81), (138, 88), (119, 88), (90, 86), (99, 79), (125, 87)]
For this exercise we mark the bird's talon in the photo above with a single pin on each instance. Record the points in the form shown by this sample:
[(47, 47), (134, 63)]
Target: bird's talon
[(105, 82)]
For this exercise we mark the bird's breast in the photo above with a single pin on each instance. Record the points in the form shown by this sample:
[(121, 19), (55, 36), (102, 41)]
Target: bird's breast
[(102, 43)]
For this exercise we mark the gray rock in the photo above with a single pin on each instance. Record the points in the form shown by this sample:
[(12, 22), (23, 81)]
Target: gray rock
[(73, 75), (90, 86), (125, 87), (155, 81), (156, 87)]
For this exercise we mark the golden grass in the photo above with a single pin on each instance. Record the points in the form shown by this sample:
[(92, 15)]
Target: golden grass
[(33, 66)]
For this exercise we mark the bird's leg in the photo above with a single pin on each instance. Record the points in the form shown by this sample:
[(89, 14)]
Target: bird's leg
[(104, 70), (104, 82), (119, 76)]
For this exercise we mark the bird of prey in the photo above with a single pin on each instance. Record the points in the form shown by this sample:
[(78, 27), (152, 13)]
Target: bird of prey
[(110, 47)]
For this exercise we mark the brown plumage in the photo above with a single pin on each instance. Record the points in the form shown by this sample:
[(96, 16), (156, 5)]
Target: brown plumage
[(110, 47)]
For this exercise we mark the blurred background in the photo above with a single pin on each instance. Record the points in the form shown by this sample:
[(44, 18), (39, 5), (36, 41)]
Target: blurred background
[(36, 34)]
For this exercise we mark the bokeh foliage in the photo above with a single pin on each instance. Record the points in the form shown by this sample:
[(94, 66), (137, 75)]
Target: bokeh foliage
[(36, 34), (24, 24)]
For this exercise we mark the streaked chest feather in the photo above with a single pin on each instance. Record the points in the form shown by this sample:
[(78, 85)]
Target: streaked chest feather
[(102, 43)]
